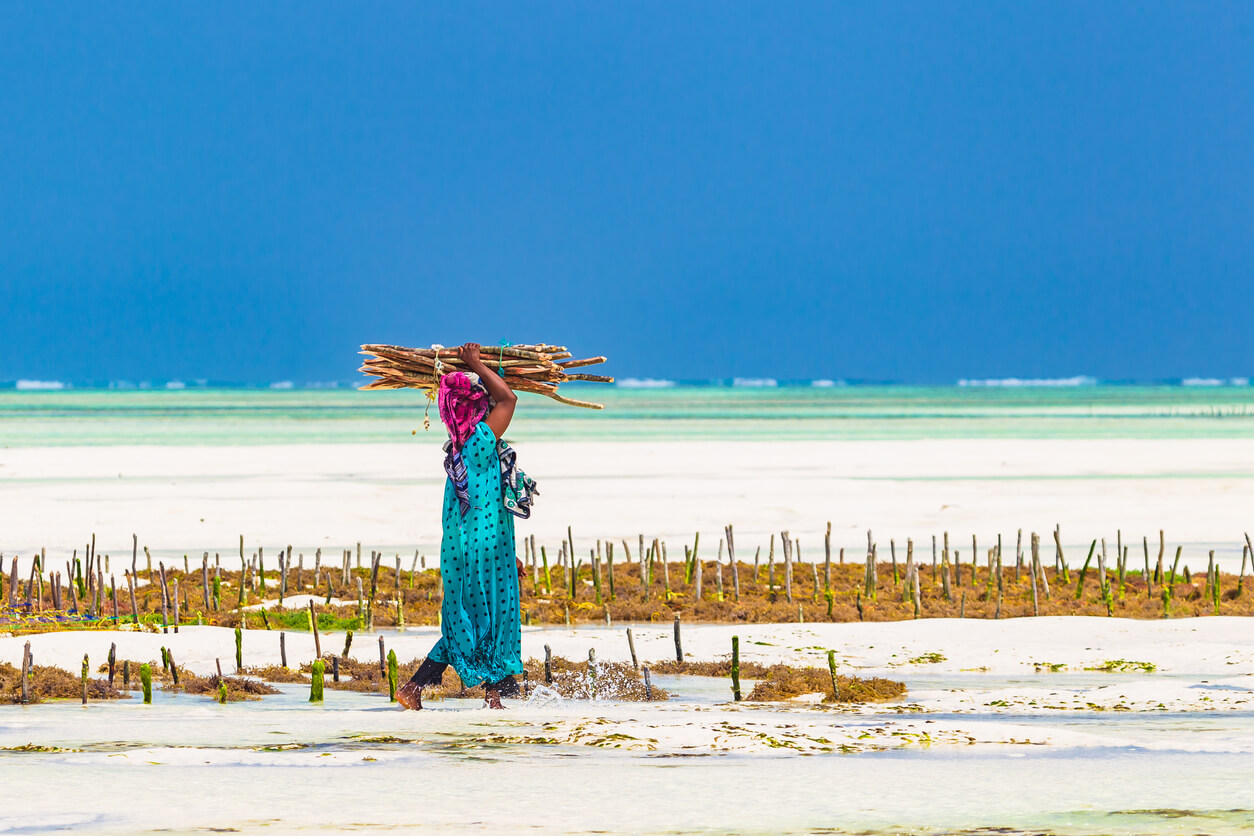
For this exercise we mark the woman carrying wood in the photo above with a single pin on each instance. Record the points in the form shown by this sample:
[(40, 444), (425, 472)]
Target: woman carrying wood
[(480, 634)]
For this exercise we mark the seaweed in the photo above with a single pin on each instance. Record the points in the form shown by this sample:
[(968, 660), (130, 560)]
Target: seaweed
[(49, 683)]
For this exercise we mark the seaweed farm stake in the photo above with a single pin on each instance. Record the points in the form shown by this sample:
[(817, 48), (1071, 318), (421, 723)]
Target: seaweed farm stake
[(1036, 557), (1058, 559), (145, 681), (679, 645), (609, 565), (113, 658), (126, 673), (975, 558), (594, 557), (26, 666), (631, 646), (1123, 571), (239, 649), (335, 668), (696, 573), (318, 669), (827, 559), (918, 601), (392, 676), (1035, 607), (1245, 552), (176, 605), (348, 643), (735, 668), (548, 665), (1250, 548), (666, 571), (113, 593), (313, 622), (283, 649), (718, 571), (221, 690), (831, 667), (165, 618), (204, 579), (1084, 570), (1162, 546), (786, 542), (648, 686), (134, 608), (383, 662)]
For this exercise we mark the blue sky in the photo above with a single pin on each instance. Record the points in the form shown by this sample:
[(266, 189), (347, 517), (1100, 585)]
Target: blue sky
[(891, 191)]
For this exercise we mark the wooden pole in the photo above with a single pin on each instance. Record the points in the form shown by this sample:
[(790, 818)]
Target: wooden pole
[(679, 645), (631, 646), (313, 620), (735, 668), (827, 559), (26, 670), (786, 541)]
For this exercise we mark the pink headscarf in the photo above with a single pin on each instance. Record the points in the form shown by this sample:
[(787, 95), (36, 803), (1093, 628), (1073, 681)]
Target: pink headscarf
[(463, 404)]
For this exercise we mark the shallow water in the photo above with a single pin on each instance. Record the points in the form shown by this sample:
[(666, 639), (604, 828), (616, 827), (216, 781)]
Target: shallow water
[(186, 764), (252, 416)]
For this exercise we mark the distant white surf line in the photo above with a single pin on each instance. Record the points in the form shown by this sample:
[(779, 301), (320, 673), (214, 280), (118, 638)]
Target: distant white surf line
[(37, 385), (1215, 381), (645, 383), (755, 382), (1079, 380)]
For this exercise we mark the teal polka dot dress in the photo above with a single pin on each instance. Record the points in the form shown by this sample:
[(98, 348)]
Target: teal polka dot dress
[(480, 635)]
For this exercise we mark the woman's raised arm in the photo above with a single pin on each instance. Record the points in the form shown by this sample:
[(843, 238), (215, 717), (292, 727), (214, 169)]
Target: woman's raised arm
[(503, 411)]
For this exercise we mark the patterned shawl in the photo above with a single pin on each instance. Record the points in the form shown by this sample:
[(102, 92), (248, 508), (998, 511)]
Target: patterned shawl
[(463, 404)]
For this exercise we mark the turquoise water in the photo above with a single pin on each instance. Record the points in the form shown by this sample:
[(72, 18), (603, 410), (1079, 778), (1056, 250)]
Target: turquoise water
[(253, 416)]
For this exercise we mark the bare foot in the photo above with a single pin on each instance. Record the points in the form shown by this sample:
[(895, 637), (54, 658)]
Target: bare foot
[(492, 699), (410, 696)]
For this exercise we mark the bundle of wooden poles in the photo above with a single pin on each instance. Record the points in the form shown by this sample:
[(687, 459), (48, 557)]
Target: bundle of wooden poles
[(526, 368)]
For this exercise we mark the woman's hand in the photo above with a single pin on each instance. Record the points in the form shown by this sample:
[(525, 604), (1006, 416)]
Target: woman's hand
[(470, 355)]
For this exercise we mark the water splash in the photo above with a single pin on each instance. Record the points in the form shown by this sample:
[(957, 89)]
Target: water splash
[(542, 695)]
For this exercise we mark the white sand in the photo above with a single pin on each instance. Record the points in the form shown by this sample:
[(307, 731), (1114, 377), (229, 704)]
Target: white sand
[(189, 499)]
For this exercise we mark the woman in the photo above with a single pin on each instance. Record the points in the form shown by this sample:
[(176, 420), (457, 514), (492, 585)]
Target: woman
[(480, 634)]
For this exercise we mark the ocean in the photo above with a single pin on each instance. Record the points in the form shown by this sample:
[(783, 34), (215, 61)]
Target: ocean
[(195, 416)]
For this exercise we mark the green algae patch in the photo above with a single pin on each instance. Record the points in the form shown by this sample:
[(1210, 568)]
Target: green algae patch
[(1124, 666)]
